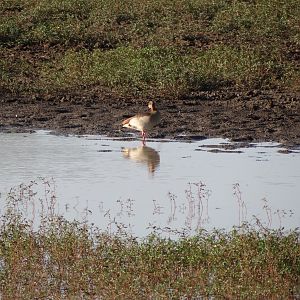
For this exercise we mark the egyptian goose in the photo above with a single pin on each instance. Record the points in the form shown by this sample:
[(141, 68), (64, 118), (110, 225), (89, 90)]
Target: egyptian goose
[(145, 121)]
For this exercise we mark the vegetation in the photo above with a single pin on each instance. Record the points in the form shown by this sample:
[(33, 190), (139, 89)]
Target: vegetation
[(148, 47), (60, 259)]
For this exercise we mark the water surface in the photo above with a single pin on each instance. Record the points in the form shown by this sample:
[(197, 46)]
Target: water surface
[(166, 184)]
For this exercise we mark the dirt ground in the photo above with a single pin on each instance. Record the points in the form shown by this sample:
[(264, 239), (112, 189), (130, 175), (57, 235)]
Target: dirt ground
[(247, 116)]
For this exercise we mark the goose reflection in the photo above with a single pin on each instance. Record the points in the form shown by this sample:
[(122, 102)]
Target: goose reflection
[(143, 154)]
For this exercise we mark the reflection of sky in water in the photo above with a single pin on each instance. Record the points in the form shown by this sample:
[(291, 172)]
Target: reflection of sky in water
[(164, 184)]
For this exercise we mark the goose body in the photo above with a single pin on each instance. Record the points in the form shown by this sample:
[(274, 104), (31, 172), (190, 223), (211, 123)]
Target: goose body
[(144, 122)]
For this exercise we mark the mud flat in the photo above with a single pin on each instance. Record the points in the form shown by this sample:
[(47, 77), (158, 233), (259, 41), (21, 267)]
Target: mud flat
[(241, 116)]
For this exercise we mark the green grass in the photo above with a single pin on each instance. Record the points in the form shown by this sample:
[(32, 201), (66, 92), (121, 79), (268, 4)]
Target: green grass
[(57, 259), (72, 260), (148, 47), (146, 71)]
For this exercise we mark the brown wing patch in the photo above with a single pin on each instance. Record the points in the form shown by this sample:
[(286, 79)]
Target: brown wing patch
[(126, 121)]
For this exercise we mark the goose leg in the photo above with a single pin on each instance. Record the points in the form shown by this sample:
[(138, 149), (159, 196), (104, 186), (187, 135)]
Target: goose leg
[(144, 137)]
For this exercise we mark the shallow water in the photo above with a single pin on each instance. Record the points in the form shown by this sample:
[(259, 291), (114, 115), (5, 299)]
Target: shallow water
[(166, 184)]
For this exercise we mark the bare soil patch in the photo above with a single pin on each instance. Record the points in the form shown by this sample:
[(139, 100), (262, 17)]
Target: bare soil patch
[(246, 116)]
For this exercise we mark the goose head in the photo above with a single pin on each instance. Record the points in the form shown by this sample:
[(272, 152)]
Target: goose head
[(151, 106)]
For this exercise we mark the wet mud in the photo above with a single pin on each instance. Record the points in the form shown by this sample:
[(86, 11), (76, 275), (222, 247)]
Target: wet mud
[(242, 116)]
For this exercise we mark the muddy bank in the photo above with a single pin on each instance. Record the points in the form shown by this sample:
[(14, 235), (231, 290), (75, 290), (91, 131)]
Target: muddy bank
[(248, 116)]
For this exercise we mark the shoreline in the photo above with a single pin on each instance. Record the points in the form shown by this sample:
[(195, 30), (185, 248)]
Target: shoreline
[(249, 116)]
